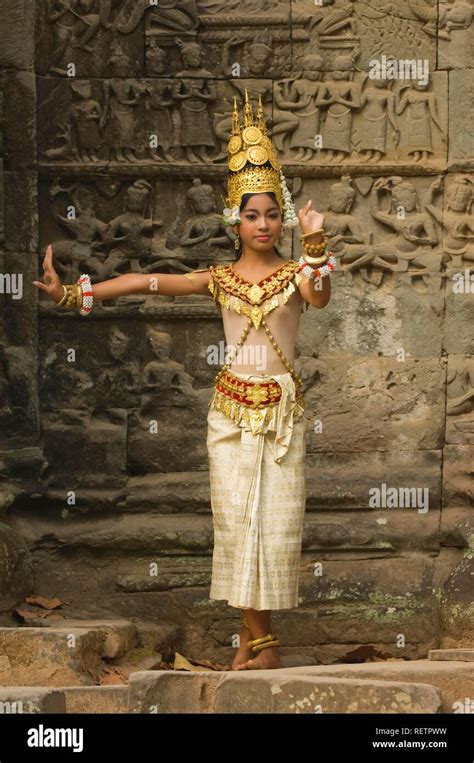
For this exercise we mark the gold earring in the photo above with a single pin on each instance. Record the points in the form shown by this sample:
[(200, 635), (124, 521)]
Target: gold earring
[(237, 242)]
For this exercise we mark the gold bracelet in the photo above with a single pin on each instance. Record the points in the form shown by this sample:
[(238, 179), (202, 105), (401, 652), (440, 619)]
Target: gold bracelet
[(320, 244), (72, 298), (312, 248), (79, 295), (305, 235), (70, 302), (61, 301), (315, 261)]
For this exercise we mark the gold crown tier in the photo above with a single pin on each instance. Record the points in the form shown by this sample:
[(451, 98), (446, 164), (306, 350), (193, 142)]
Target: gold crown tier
[(252, 159)]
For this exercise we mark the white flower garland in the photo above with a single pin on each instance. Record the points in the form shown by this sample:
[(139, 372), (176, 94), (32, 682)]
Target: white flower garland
[(87, 294), (289, 215), (317, 273)]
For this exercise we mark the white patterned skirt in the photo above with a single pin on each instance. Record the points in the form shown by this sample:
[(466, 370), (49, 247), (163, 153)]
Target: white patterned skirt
[(258, 499)]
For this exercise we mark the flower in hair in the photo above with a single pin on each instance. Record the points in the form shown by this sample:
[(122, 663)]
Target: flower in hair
[(231, 215)]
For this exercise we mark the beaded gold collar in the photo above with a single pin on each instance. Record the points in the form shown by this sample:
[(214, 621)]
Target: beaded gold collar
[(254, 300)]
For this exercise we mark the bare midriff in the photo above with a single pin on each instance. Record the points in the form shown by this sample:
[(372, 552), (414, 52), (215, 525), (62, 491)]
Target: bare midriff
[(257, 354)]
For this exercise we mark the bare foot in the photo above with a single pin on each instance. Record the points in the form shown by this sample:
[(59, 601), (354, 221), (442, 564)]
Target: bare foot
[(265, 659), (244, 652)]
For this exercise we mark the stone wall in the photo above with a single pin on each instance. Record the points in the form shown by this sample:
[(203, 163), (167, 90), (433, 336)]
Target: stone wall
[(115, 118)]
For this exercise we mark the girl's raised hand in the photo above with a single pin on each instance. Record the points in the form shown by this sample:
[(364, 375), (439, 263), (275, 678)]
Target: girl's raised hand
[(52, 284), (310, 220)]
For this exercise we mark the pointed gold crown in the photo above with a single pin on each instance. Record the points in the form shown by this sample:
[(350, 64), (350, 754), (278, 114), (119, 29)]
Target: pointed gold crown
[(252, 159)]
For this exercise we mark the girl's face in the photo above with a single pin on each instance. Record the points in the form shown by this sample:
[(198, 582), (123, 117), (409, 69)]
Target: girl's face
[(260, 222)]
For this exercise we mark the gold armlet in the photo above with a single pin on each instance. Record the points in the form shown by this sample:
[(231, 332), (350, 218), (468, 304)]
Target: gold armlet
[(192, 274), (191, 277)]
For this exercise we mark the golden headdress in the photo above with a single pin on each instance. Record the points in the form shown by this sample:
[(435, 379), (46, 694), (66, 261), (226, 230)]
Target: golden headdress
[(253, 165)]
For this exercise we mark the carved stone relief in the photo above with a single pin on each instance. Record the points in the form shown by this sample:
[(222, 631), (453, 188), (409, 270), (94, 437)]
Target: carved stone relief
[(383, 227), (113, 227), (371, 106)]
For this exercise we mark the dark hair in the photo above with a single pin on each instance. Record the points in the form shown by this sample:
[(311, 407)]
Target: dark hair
[(245, 199)]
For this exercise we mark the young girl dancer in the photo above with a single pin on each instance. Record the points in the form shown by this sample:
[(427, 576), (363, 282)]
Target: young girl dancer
[(256, 429)]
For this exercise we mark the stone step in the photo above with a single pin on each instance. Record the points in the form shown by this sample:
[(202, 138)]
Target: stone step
[(51, 656), (33, 699), (126, 638), (274, 691), (159, 637), (96, 699), (120, 634), (464, 655), (297, 660), (81, 652), (455, 680)]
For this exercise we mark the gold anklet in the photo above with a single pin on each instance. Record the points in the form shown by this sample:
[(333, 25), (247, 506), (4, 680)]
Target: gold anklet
[(262, 643), (264, 646)]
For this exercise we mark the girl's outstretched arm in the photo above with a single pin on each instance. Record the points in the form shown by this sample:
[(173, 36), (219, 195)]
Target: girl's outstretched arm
[(167, 284)]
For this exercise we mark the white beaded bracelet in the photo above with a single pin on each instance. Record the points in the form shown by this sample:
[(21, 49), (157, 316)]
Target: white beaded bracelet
[(87, 294)]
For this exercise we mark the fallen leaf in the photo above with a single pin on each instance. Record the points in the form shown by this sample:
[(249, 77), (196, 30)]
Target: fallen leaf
[(42, 601), (112, 677), (30, 615), (196, 666)]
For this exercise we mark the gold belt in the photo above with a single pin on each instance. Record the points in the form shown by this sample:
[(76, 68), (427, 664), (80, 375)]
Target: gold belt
[(251, 394), (250, 402)]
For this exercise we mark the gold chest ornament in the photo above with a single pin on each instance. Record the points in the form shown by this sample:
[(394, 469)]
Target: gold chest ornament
[(253, 300)]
